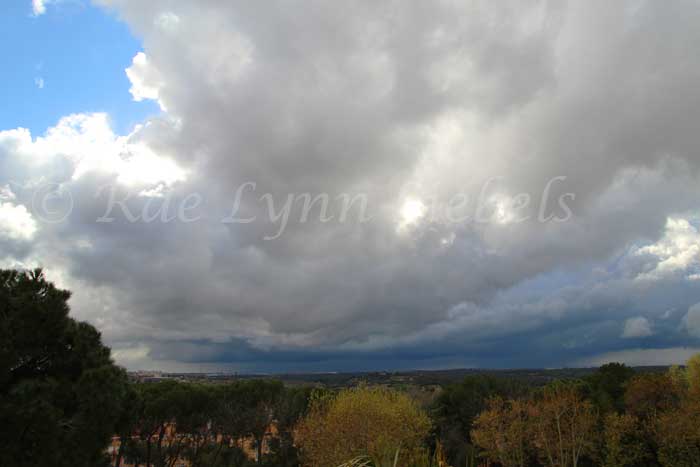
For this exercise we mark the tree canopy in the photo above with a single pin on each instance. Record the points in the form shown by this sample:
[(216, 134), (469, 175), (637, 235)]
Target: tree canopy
[(60, 393), (371, 421)]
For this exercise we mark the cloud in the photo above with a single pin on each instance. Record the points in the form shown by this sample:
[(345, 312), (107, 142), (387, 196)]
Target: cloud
[(480, 105), (637, 327), (38, 7), (16, 222), (677, 251), (692, 320), (145, 80), (39, 82), (81, 144)]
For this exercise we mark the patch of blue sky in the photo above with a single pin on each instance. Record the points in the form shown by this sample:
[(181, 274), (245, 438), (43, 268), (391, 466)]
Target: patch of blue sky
[(70, 59)]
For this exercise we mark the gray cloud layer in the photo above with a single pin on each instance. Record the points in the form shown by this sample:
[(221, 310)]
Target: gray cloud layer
[(397, 101)]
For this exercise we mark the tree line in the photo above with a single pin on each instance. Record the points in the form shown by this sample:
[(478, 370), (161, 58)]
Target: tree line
[(613, 419), (166, 422), (63, 401)]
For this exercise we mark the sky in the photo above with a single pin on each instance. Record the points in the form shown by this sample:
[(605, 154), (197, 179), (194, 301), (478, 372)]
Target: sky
[(70, 59), (291, 186)]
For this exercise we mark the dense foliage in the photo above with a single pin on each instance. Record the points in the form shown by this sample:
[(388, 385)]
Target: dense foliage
[(60, 393), (614, 419), (372, 421), (209, 425), (459, 404)]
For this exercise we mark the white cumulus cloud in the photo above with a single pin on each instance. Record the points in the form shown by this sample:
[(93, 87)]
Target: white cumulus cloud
[(145, 79), (692, 320), (38, 7), (16, 223), (637, 327), (677, 251)]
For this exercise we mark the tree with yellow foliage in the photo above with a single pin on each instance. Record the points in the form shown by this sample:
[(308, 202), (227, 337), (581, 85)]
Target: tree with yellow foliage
[(678, 435), (563, 426), (363, 421), (502, 432), (651, 394), (677, 429), (692, 371)]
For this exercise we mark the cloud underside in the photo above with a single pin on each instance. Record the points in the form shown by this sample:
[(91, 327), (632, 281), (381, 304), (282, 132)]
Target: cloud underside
[(409, 104)]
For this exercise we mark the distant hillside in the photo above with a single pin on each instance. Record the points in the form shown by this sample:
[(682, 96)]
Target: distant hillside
[(535, 377)]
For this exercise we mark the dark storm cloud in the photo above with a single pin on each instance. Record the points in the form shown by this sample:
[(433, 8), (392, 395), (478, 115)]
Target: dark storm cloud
[(396, 101)]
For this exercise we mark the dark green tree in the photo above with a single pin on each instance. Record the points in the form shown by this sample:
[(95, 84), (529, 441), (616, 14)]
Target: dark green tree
[(291, 407), (155, 424), (261, 399), (126, 425), (459, 404), (60, 393), (194, 419), (607, 386), (229, 423)]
